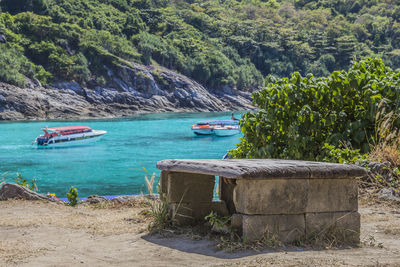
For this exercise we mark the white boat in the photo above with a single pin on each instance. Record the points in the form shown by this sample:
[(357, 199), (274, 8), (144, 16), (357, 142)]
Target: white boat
[(226, 130), (68, 135), (204, 127), (208, 127)]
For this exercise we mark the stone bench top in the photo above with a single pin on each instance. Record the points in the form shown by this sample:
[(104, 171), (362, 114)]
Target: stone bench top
[(262, 168)]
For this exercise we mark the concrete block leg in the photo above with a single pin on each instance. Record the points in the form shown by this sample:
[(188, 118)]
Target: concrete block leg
[(226, 187), (163, 185), (271, 196), (344, 225), (285, 228), (191, 213), (189, 187), (190, 196), (328, 195)]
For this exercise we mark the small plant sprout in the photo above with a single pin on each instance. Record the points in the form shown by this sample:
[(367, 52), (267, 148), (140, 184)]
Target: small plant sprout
[(149, 182), (72, 196), (159, 210), (19, 180)]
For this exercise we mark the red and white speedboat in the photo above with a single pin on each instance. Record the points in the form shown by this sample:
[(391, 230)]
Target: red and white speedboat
[(68, 135)]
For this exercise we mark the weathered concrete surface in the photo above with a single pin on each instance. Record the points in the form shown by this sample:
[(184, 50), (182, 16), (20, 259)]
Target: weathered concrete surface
[(286, 228), (9, 191), (190, 188), (325, 195), (163, 185), (262, 168), (190, 213), (226, 187), (345, 225), (272, 196), (237, 222)]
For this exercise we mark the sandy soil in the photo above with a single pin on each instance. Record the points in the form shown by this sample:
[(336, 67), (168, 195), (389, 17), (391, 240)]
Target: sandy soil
[(48, 234)]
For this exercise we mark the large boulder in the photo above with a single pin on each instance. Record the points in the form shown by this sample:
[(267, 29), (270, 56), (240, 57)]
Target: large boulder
[(11, 191)]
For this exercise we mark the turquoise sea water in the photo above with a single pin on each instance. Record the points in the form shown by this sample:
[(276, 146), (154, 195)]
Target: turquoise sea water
[(113, 165)]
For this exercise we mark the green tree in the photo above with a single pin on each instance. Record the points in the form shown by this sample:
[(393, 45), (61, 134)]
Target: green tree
[(298, 116)]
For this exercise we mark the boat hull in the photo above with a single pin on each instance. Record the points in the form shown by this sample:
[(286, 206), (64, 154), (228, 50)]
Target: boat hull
[(74, 139), (226, 132), (203, 131)]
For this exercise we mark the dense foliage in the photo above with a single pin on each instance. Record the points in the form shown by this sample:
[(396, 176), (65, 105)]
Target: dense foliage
[(217, 42), (300, 117)]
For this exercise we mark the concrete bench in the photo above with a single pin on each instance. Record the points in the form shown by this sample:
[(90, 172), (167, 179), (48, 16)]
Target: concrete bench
[(291, 199)]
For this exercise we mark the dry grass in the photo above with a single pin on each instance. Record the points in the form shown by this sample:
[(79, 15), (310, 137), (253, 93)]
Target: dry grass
[(385, 147), (386, 144), (149, 182), (106, 219)]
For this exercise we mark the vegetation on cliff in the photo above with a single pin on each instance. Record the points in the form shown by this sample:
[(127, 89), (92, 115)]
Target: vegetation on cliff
[(218, 43)]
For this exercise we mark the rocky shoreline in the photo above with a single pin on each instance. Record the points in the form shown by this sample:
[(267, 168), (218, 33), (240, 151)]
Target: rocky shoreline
[(128, 90)]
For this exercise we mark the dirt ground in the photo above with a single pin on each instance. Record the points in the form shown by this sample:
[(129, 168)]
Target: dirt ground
[(35, 233)]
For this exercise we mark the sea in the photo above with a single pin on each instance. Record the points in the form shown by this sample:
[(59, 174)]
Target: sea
[(115, 165)]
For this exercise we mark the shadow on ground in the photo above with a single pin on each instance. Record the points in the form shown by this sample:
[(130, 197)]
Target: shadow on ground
[(207, 247)]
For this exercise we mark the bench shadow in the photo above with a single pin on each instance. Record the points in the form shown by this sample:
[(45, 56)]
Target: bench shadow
[(207, 247)]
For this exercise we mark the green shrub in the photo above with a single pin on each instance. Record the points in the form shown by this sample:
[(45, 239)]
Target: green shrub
[(72, 196), (344, 155), (297, 116)]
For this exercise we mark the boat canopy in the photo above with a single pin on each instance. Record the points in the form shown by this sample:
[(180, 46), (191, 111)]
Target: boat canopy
[(213, 122), (67, 129), (206, 122)]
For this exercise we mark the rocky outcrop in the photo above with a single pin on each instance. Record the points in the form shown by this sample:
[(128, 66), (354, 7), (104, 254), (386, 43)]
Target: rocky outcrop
[(94, 199), (129, 90), (14, 191)]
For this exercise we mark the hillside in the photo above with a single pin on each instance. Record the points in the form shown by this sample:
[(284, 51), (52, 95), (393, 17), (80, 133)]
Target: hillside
[(220, 44)]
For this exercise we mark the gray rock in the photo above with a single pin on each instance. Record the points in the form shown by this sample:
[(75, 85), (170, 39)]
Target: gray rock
[(93, 199), (3, 100), (262, 168), (74, 86), (388, 194), (10, 191), (36, 82), (124, 199), (129, 89), (3, 39)]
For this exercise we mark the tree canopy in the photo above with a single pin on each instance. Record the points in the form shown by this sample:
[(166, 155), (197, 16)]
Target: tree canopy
[(216, 42)]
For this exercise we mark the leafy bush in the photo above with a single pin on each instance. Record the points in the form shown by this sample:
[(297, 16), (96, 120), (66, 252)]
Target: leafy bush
[(72, 196), (298, 116), (344, 155)]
